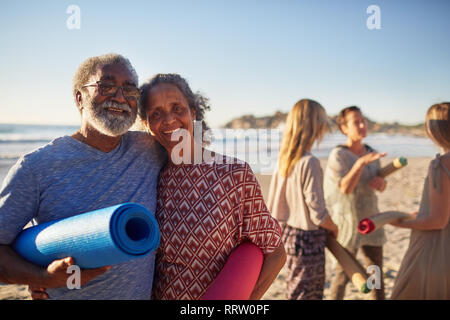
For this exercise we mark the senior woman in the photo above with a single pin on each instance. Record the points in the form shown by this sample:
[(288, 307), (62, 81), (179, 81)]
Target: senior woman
[(350, 183), (207, 206)]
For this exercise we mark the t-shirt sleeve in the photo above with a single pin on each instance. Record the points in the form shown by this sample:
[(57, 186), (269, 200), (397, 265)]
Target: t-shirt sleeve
[(19, 199), (258, 226), (312, 183), (338, 163)]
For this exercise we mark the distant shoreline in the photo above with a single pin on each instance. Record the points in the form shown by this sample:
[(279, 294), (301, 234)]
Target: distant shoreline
[(278, 119), (251, 122)]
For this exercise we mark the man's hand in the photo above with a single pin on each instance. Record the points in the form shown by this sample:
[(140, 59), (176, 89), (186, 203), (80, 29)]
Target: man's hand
[(56, 277), (37, 293)]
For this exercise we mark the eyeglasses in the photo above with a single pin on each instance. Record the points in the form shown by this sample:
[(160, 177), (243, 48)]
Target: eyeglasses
[(110, 90)]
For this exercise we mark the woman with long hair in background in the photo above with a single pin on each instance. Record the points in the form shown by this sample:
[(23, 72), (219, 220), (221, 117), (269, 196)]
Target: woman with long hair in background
[(296, 200)]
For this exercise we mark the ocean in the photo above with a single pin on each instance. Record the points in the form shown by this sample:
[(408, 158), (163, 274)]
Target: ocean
[(259, 147)]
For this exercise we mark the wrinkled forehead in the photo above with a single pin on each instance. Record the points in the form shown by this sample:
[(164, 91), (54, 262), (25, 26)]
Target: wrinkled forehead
[(115, 73), (165, 92)]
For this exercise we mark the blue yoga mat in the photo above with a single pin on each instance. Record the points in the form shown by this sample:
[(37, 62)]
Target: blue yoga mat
[(94, 239)]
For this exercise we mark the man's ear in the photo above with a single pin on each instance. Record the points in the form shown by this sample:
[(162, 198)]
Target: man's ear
[(79, 100)]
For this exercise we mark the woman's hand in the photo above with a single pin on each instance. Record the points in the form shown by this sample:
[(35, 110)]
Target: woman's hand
[(330, 226), (273, 262), (378, 183), (371, 157), (334, 231), (348, 183)]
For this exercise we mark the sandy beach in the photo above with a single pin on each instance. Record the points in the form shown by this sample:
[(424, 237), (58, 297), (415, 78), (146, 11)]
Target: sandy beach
[(402, 193)]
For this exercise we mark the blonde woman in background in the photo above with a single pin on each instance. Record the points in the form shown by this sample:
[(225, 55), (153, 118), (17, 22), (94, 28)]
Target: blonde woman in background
[(296, 200), (425, 269)]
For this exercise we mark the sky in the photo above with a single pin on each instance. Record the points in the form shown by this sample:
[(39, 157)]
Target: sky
[(246, 56)]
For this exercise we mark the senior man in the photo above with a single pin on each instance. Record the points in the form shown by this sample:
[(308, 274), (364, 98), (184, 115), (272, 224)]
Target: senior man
[(100, 165)]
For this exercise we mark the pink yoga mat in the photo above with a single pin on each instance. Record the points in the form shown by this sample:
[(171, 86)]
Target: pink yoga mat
[(375, 222), (238, 277)]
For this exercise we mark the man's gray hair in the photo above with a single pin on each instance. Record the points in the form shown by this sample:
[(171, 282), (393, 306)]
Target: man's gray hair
[(90, 66)]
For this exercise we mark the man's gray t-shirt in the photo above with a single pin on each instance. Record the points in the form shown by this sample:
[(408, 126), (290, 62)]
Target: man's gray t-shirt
[(67, 177)]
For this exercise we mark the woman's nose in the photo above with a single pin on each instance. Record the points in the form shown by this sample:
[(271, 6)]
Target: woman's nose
[(168, 118)]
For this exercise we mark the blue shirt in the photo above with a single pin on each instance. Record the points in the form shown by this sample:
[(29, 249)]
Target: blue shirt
[(67, 177)]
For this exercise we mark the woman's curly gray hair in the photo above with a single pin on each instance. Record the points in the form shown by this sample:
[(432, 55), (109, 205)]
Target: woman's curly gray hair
[(197, 102)]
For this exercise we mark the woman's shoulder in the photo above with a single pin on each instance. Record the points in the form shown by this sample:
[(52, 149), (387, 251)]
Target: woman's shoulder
[(309, 160), (309, 165), (440, 163), (439, 172), (235, 169), (218, 167), (224, 163), (219, 160), (445, 159), (369, 148), (340, 151)]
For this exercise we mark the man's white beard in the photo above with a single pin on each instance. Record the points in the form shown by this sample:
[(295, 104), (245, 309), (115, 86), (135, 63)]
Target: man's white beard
[(106, 122)]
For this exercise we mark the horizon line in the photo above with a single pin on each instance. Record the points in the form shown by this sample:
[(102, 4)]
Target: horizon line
[(219, 127)]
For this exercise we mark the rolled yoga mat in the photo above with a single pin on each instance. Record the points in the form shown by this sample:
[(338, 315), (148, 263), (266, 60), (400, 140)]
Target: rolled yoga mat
[(349, 264), (375, 222), (238, 277), (94, 239), (392, 167)]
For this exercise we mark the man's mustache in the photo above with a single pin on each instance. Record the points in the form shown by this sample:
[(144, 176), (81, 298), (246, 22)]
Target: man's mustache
[(115, 105)]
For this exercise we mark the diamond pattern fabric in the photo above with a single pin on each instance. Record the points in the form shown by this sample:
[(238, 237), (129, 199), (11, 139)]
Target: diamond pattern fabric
[(204, 211)]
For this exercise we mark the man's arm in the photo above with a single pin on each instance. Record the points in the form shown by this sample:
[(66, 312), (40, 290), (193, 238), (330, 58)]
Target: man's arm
[(19, 201), (15, 270)]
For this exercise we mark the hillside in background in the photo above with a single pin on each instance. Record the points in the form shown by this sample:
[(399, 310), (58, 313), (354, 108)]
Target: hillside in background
[(278, 119)]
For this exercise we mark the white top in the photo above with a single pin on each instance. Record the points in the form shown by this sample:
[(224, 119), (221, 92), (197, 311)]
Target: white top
[(298, 198)]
